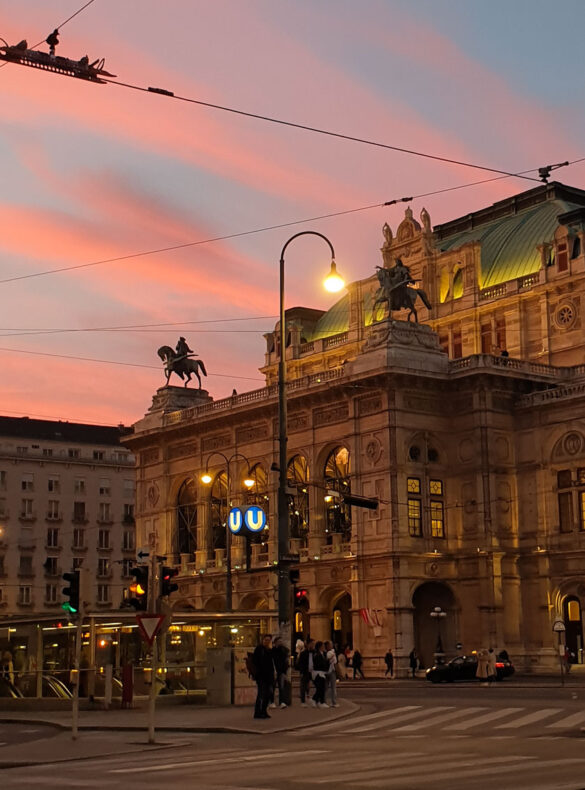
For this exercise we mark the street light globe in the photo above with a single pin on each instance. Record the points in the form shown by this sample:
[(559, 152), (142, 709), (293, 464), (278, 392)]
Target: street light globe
[(249, 482), (333, 282), (206, 478)]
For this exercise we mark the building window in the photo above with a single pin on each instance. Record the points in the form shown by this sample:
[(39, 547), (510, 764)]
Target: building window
[(258, 495), (337, 481), (103, 538), (53, 509), (3, 511), (562, 257), (53, 537), (21, 450), (128, 540), (128, 516), (72, 453), (414, 503), (2, 480), (437, 519), (50, 566), (127, 566), (103, 593), (104, 514), (78, 538), (79, 514), (501, 333), (2, 566), (297, 479), (219, 498), (25, 594), (457, 343), (50, 593), (565, 501), (105, 486), (77, 563), (47, 452), (576, 248), (27, 482), (25, 567), (458, 284), (486, 338), (128, 489), (53, 484), (103, 569), (79, 485), (98, 455), (26, 508)]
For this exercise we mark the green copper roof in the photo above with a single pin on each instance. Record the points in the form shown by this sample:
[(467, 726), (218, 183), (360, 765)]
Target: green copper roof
[(509, 244), (334, 321)]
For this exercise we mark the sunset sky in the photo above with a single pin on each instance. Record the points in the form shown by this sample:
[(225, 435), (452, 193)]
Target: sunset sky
[(91, 172)]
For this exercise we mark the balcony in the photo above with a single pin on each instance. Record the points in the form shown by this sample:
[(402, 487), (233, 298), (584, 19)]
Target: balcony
[(54, 517), (28, 517), (79, 548), (79, 518), (27, 603)]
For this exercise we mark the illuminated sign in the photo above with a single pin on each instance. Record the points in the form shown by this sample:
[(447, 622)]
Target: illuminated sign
[(251, 522)]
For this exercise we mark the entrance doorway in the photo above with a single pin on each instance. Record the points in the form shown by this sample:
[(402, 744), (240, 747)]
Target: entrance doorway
[(341, 628), (572, 616), (432, 631)]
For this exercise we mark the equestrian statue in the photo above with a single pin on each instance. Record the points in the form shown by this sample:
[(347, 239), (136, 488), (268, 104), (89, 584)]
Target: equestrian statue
[(181, 361), (396, 291)]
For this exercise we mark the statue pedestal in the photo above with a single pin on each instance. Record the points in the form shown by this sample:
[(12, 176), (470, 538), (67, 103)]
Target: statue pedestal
[(169, 399)]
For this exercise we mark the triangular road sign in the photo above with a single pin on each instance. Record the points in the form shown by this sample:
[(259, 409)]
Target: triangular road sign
[(149, 625)]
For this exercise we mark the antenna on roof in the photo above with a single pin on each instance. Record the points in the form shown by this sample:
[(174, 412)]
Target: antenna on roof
[(544, 172)]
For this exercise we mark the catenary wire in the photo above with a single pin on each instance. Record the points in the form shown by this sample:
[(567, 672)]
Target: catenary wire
[(226, 237)]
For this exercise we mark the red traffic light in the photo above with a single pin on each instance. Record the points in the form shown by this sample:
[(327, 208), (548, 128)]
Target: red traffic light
[(300, 594)]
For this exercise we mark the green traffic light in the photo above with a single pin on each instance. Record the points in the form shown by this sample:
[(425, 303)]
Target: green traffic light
[(68, 608)]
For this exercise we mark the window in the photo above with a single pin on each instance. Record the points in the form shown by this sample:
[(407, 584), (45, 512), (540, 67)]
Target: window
[(103, 593), (219, 508), (501, 332), (128, 516), (78, 538), (444, 342), (127, 566), (25, 567), (53, 537), (337, 480), (2, 567), (98, 455), (79, 514), (2, 480), (79, 485), (25, 594), (27, 482), (576, 248), (128, 489), (77, 563), (47, 452), (437, 519), (53, 484), (53, 509), (486, 338), (120, 456), (50, 593), (565, 501), (562, 257), (3, 511), (458, 284), (104, 512), (414, 504), (72, 453), (185, 534), (103, 538), (128, 540), (105, 486), (26, 508), (103, 567), (297, 479), (50, 566), (457, 343), (21, 450)]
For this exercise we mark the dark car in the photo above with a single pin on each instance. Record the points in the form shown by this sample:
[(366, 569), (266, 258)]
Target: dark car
[(465, 668)]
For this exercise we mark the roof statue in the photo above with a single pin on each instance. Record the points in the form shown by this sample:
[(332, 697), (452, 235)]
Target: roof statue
[(387, 231), (181, 361), (395, 289), (426, 220)]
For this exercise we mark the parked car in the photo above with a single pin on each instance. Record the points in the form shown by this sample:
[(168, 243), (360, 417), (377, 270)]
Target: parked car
[(51, 686), (465, 668), (8, 689)]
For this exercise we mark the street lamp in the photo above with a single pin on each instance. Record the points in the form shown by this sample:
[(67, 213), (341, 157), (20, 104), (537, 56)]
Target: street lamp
[(206, 478), (333, 284), (438, 614)]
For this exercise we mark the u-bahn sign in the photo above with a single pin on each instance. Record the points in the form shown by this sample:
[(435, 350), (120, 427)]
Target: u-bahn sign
[(251, 521)]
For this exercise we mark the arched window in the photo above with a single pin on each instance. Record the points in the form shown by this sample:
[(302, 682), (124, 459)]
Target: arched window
[(458, 284), (219, 511), (444, 285), (338, 514), (258, 495), (186, 527), (297, 478)]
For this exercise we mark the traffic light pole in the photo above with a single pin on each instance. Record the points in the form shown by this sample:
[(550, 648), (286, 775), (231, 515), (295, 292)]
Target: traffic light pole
[(152, 599), (76, 668)]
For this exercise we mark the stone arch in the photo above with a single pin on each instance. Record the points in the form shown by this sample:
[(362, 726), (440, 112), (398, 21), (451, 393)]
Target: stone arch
[(252, 601), (444, 284), (457, 281), (432, 450), (215, 603), (569, 606), (185, 518), (426, 629), (568, 447)]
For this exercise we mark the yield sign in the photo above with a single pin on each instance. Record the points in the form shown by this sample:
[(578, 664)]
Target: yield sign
[(149, 625)]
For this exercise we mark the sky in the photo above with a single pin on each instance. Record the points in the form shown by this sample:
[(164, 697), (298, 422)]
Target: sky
[(94, 172)]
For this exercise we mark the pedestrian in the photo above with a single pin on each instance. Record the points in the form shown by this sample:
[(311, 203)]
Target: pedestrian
[(7, 668), (356, 661), (304, 664), (331, 679), (413, 661), (482, 671), (341, 667), (280, 656), (264, 676), (319, 667), (491, 662), (389, 661)]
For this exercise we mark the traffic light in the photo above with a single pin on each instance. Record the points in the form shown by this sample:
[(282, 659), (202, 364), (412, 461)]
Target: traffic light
[(167, 586), (72, 592), (299, 594), (139, 588)]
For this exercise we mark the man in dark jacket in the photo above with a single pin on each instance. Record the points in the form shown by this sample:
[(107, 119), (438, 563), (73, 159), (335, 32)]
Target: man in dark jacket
[(264, 676), (280, 654), (303, 665)]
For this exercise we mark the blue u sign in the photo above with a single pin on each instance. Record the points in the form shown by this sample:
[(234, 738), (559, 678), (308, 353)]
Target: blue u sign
[(235, 520), (250, 522)]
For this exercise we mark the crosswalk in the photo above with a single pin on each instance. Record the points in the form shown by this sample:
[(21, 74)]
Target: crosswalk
[(410, 720)]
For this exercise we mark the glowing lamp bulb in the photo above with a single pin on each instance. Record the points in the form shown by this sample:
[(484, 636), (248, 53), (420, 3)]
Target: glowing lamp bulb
[(206, 478), (333, 282), (248, 482)]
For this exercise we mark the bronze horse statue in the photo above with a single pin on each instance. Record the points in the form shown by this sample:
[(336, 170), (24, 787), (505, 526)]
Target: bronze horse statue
[(181, 365), (394, 290)]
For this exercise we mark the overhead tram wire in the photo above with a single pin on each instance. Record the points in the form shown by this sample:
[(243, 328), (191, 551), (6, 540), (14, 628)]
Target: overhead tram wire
[(278, 226), (317, 130)]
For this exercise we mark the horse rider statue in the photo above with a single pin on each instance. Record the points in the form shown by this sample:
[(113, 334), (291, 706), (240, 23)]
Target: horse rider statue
[(181, 361), (395, 289)]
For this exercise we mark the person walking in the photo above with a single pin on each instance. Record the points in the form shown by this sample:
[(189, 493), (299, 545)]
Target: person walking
[(413, 661), (331, 679), (357, 665), (482, 671), (280, 656), (319, 667), (389, 661), (304, 666), (264, 676)]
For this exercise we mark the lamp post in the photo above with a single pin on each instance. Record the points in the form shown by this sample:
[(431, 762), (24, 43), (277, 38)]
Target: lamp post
[(248, 482), (333, 284), (438, 614)]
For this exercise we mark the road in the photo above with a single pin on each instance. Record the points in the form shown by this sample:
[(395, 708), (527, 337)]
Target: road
[(22, 733), (404, 737)]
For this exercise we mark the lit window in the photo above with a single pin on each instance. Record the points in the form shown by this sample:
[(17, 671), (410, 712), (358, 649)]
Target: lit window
[(413, 485), (436, 488), (414, 518), (437, 520)]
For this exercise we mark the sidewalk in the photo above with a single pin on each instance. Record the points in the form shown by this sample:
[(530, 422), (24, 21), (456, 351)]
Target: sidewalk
[(126, 730)]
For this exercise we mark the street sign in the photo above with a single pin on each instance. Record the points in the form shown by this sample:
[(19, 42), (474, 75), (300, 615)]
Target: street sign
[(559, 626), (235, 520), (149, 626), (142, 555), (255, 519)]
